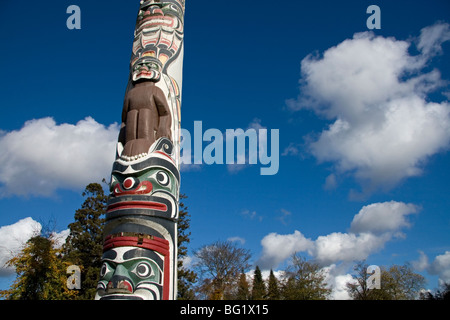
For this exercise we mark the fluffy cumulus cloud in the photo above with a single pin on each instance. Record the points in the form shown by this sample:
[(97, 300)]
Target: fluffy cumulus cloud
[(277, 248), (440, 266), (43, 156), (383, 217), (383, 125), (372, 227), (366, 236)]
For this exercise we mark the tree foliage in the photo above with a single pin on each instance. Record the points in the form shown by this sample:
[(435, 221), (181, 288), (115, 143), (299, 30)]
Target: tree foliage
[(273, 287), (84, 245), (396, 283), (441, 294), (243, 291), (41, 272), (186, 277), (41, 267), (219, 266), (305, 281), (258, 287)]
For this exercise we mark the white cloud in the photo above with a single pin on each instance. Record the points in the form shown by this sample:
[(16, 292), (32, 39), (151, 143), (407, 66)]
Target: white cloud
[(13, 237), (422, 263), (293, 149), (382, 217), (188, 262), (339, 246), (330, 182), (432, 37), (237, 239), (366, 236), (383, 125), (337, 282), (60, 237), (277, 248), (44, 156), (441, 267), (251, 215), (284, 216)]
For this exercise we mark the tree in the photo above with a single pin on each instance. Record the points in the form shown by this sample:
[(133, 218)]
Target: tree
[(401, 283), (258, 287), (41, 273), (440, 294), (84, 245), (273, 290), (305, 281), (243, 292), (219, 265), (186, 277), (396, 283), (357, 288)]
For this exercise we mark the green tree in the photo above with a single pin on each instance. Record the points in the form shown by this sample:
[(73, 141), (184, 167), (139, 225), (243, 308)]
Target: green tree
[(41, 273), (305, 281), (84, 245), (258, 285), (219, 265), (273, 289), (186, 277)]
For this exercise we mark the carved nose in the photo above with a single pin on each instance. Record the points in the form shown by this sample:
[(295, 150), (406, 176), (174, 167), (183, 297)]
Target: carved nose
[(119, 284)]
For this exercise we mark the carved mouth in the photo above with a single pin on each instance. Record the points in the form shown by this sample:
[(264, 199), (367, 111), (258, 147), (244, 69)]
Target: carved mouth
[(136, 205), (122, 286)]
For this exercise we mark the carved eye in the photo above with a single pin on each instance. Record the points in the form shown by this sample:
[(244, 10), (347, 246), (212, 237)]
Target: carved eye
[(162, 178), (105, 270), (143, 270)]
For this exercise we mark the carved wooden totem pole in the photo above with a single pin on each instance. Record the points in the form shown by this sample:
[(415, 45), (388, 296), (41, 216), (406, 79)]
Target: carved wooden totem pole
[(140, 243)]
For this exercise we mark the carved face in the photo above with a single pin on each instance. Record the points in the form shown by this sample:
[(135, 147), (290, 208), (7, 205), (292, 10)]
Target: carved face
[(152, 12), (131, 273), (148, 181), (157, 38), (147, 186), (146, 69)]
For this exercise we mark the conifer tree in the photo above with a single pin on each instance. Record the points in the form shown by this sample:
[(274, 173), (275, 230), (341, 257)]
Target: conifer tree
[(258, 288), (84, 245), (273, 290), (243, 292), (186, 277)]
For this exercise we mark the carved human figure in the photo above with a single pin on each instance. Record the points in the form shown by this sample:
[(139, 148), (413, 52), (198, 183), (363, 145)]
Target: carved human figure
[(145, 118)]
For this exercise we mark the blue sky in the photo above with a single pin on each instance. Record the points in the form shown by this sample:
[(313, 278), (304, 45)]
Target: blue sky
[(363, 118)]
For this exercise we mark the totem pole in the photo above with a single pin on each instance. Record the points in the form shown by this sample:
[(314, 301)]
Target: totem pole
[(140, 235)]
